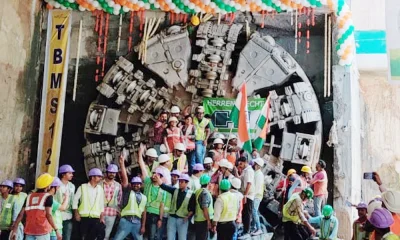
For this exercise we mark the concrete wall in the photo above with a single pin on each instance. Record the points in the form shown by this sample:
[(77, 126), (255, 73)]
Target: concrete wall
[(19, 44)]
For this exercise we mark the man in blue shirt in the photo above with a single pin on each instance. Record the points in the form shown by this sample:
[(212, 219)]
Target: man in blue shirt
[(328, 223)]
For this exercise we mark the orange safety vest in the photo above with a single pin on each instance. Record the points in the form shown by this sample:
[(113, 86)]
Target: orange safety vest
[(36, 221), (217, 157), (173, 137)]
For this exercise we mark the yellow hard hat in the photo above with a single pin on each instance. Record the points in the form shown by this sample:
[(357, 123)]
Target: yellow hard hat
[(44, 180), (306, 169), (291, 171), (195, 20)]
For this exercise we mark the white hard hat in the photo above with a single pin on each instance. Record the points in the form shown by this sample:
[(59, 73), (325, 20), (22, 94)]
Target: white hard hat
[(218, 141), (218, 135), (151, 152), (236, 183), (259, 161), (232, 136), (373, 205), (172, 119), (163, 148), (207, 160), (163, 158), (391, 199), (175, 109), (223, 163), (229, 165), (179, 146), (200, 108)]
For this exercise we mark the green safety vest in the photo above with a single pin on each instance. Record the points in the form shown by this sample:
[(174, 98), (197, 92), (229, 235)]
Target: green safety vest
[(167, 205), (183, 209), (84, 209), (113, 203), (198, 214), (20, 199), (153, 206), (286, 216), (133, 208), (231, 207), (6, 213), (60, 197), (200, 128)]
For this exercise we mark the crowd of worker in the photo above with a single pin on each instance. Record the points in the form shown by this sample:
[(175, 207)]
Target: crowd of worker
[(184, 188)]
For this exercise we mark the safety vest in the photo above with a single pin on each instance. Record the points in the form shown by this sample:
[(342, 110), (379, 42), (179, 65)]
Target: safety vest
[(59, 196), (200, 128), (173, 137), (194, 183), (153, 206), (218, 155), (36, 220), (390, 236), (20, 200), (85, 209), (286, 216), (183, 209), (181, 162), (133, 208), (230, 208), (167, 204), (113, 202), (198, 214), (7, 212), (189, 144), (327, 226)]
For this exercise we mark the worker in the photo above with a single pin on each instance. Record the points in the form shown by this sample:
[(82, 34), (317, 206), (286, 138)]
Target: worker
[(150, 159), (208, 166), (66, 173), (194, 182), (57, 207), (327, 223), (158, 131), (225, 212), (283, 187), (8, 209), (37, 208), (204, 211), (391, 201), (165, 165), (172, 134), (188, 140), (320, 185), (232, 149), (175, 174), (202, 133), (178, 158), (305, 177), (182, 208), (88, 206), (294, 219), (382, 220), (20, 196), (224, 172), (112, 201), (236, 184), (358, 226), (259, 188), (133, 205), (216, 153)]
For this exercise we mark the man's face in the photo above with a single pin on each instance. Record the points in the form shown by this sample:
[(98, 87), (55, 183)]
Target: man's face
[(178, 153), (153, 177), (174, 178), (68, 176), (362, 212), (163, 117), (18, 188), (4, 189), (136, 187), (233, 142), (242, 165), (200, 114), (183, 184), (218, 146), (175, 115), (111, 175), (150, 160), (207, 166), (97, 179)]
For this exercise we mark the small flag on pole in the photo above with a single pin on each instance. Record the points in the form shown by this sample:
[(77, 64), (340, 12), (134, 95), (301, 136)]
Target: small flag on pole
[(262, 125)]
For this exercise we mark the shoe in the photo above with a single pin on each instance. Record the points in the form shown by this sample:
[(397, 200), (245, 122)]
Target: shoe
[(256, 233), (244, 236)]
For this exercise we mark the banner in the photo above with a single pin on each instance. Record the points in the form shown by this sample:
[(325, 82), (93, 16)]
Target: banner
[(393, 39), (53, 92), (219, 110)]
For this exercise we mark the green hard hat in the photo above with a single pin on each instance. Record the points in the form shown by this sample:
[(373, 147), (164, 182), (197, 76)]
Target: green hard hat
[(309, 193), (225, 185), (204, 179), (327, 210)]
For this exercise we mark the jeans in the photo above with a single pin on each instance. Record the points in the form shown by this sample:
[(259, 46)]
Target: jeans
[(175, 225), (201, 230), (92, 229), (319, 202), (125, 228), (191, 158), (152, 230), (200, 151), (38, 237), (157, 148), (247, 215), (110, 220), (226, 230), (255, 224), (67, 229)]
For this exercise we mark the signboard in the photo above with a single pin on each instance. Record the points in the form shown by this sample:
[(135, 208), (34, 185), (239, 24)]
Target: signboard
[(393, 39), (219, 110), (53, 92)]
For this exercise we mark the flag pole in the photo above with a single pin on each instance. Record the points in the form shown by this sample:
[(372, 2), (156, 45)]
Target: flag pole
[(229, 138)]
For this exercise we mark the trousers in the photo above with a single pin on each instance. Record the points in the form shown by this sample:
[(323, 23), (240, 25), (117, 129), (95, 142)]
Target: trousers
[(226, 230), (247, 215), (92, 229)]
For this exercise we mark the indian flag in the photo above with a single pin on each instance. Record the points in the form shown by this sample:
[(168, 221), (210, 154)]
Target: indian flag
[(262, 125), (239, 116)]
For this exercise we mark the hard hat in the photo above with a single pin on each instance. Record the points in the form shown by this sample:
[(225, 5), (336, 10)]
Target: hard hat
[(232, 136), (195, 20), (259, 161), (309, 193), (175, 109), (218, 135), (44, 180), (163, 148), (136, 180), (56, 182), (223, 163), (205, 179), (200, 108), (291, 171), (159, 171), (95, 172), (327, 210), (381, 218), (306, 169), (151, 152), (218, 141), (362, 205), (236, 183), (180, 147), (172, 119), (7, 183), (176, 172), (208, 160), (112, 168), (19, 181), (229, 165), (373, 205), (225, 185), (198, 167), (163, 158), (65, 169), (184, 177), (391, 199)]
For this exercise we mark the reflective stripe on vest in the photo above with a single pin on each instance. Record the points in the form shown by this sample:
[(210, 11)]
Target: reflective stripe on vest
[(85, 210), (200, 128), (32, 202), (167, 205), (36, 221), (199, 215), (230, 209), (181, 162), (6, 212), (132, 208), (286, 216), (113, 203), (173, 137), (153, 206), (183, 209)]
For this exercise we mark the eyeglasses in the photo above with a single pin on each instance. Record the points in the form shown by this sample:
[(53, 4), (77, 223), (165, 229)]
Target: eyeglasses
[(200, 113)]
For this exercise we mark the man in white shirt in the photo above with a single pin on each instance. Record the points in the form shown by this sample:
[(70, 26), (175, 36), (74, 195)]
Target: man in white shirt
[(258, 196), (248, 192)]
